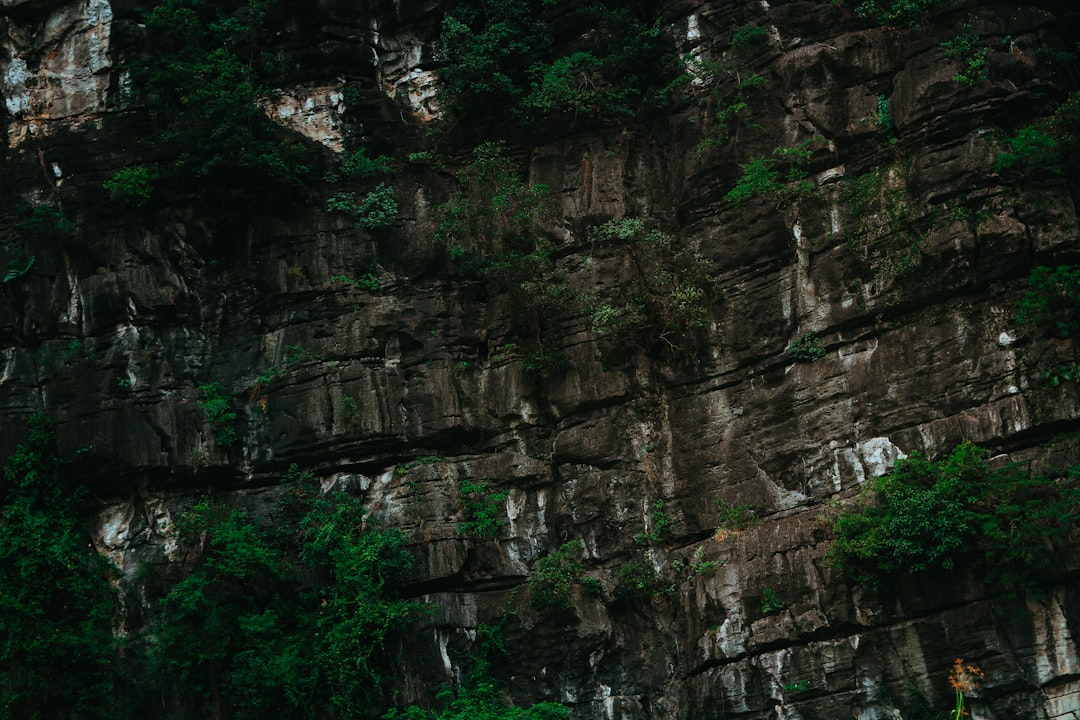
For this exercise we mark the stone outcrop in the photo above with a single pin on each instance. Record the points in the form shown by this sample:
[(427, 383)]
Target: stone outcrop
[(113, 328)]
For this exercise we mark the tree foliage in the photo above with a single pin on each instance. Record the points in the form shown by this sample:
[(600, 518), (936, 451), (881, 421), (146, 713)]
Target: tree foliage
[(58, 654), (927, 515)]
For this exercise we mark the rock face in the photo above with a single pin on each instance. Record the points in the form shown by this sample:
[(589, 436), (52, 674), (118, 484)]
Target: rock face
[(113, 328)]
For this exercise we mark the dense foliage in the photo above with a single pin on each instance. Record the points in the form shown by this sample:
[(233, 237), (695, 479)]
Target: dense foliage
[(1053, 299), (58, 655), (959, 511), (498, 56), (300, 620), (201, 80)]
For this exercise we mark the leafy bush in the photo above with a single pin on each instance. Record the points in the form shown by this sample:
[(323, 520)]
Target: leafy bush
[(59, 657), (807, 348), (479, 698), (964, 48), (500, 58), (928, 515), (637, 578), (1053, 299), (664, 294), (131, 186), (1031, 149), (358, 165), (200, 82), (482, 509), (747, 34), (770, 603), (661, 525), (736, 518), (760, 178), (267, 622), (556, 574), (215, 403), (894, 12), (44, 224), (378, 208)]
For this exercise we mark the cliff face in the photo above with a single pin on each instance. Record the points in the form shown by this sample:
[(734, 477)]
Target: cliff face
[(909, 288)]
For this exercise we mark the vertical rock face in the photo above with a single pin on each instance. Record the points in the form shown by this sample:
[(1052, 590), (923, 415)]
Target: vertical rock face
[(911, 295)]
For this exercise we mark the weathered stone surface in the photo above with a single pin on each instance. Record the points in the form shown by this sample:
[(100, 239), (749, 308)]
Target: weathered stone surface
[(429, 366)]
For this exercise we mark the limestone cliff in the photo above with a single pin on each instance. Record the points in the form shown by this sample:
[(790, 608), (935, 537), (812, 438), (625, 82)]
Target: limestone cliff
[(352, 351)]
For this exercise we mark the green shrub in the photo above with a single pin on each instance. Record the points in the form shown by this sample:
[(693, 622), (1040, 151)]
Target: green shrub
[(59, 656), (663, 295), (44, 224), (760, 178), (299, 620), (964, 48), (747, 34), (807, 348), (358, 165), (478, 698), (895, 12), (770, 603), (736, 518), (200, 82), (131, 186), (1052, 299), (482, 509), (377, 208), (660, 523), (928, 515), (215, 403), (637, 578), (1031, 149), (556, 574)]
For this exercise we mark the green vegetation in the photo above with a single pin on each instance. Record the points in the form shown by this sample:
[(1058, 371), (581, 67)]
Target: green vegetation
[(369, 281), (770, 603), (18, 265), (696, 565), (638, 577), (298, 620), (358, 166), (729, 104), (807, 348), (482, 510), (200, 80), (42, 223), (1052, 300), (886, 229), (760, 178), (59, 657), (664, 292), (131, 187), (928, 515), (492, 227), (736, 518), (1032, 148), (377, 208), (479, 698), (419, 461), (215, 403), (965, 49), (499, 57), (660, 523), (556, 574), (747, 34), (895, 12), (884, 118)]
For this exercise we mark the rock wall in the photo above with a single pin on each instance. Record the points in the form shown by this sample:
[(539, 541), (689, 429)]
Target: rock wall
[(112, 330)]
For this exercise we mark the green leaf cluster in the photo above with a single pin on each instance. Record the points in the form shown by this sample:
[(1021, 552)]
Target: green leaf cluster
[(895, 12), (222, 418), (377, 208), (478, 698), (927, 515), (761, 178), (483, 511), (266, 623), (663, 295), (58, 654), (131, 187), (201, 81), (499, 55), (965, 49), (1052, 299), (807, 348), (556, 574)]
